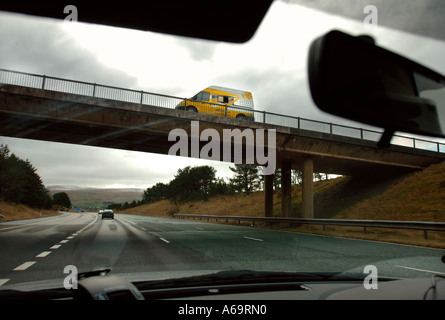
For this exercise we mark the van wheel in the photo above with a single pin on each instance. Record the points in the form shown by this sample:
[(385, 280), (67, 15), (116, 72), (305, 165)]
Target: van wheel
[(241, 116), (192, 109)]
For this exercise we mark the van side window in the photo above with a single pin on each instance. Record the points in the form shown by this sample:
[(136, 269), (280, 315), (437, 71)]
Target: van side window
[(224, 99)]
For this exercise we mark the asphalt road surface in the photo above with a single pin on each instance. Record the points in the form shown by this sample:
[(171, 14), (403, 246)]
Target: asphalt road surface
[(40, 249)]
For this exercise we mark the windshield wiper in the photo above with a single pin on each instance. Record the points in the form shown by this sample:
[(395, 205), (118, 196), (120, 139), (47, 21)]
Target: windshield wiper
[(45, 294), (250, 276), (236, 281), (94, 273)]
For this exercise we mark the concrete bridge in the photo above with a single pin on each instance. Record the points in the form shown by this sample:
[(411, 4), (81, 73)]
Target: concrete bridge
[(30, 112)]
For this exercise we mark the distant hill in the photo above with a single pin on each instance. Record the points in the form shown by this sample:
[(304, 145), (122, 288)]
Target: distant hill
[(63, 188), (97, 197)]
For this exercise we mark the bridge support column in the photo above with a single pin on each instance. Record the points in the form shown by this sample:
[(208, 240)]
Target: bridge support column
[(268, 195), (286, 189), (308, 188)]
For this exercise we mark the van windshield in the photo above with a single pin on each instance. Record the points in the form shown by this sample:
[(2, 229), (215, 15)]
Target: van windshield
[(201, 96)]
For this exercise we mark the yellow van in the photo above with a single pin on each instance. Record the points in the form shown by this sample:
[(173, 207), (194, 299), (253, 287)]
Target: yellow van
[(221, 101)]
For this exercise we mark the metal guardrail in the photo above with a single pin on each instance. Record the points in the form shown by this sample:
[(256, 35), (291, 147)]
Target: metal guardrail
[(166, 101), (415, 225)]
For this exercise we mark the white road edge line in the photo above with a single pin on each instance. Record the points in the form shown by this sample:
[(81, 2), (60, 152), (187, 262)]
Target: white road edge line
[(166, 241), (24, 266), (421, 270), (253, 239)]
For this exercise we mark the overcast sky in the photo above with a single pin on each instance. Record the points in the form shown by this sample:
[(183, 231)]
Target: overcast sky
[(272, 66)]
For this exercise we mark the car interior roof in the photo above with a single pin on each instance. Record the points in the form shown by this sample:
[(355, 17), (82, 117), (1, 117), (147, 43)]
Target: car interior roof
[(233, 20)]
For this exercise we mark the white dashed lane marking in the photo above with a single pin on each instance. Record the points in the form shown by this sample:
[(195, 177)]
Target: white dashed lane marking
[(255, 239), (24, 266), (3, 281), (43, 254)]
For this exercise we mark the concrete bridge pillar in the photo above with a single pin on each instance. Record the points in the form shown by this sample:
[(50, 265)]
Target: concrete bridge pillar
[(286, 189), (268, 195), (308, 188)]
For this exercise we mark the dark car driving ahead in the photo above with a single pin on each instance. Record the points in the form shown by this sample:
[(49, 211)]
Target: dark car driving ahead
[(108, 214)]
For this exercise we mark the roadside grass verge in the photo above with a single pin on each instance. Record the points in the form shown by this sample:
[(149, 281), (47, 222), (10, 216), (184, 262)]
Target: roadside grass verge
[(12, 212)]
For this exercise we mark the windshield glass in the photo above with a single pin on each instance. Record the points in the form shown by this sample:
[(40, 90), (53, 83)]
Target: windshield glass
[(166, 198)]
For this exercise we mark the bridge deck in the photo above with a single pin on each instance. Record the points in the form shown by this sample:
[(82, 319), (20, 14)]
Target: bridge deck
[(32, 113)]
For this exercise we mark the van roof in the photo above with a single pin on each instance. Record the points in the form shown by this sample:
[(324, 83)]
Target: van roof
[(242, 101), (237, 91)]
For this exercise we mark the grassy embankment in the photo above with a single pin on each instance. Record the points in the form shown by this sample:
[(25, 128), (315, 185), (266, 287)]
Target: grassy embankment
[(418, 196), (12, 212)]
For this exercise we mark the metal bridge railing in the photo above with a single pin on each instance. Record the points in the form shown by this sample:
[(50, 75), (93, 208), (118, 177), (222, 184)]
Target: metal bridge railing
[(171, 102)]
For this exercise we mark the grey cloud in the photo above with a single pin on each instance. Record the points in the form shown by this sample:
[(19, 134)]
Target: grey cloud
[(418, 17), (200, 50), (65, 164), (281, 92), (40, 46), (85, 166), (273, 90)]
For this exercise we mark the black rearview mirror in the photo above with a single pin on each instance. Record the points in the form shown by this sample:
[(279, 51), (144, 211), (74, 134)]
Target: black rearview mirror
[(353, 78)]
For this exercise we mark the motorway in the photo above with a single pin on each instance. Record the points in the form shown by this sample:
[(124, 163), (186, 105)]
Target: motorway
[(39, 249)]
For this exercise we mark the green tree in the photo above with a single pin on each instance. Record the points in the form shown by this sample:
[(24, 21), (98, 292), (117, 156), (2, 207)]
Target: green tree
[(133, 204), (62, 199), (20, 183), (220, 187), (296, 177), (277, 179), (189, 183), (115, 206), (317, 176), (246, 178), (192, 183), (157, 192)]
